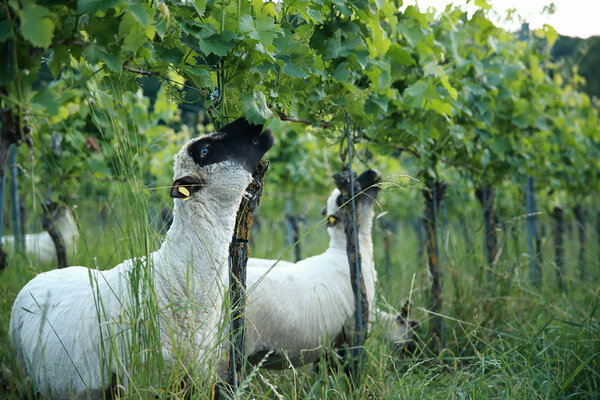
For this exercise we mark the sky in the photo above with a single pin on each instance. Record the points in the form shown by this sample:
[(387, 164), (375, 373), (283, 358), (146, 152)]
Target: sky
[(580, 18)]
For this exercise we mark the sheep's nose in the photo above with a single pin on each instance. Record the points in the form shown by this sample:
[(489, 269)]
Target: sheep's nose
[(324, 211), (412, 323)]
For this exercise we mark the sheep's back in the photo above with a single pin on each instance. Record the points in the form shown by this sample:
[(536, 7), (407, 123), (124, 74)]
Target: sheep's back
[(299, 307), (40, 247), (55, 332)]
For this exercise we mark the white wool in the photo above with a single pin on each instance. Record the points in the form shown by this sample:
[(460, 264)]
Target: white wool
[(40, 246), (189, 271), (299, 307)]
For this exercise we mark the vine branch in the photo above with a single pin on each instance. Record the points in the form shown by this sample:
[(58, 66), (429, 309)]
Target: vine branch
[(140, 71), (284, 117)]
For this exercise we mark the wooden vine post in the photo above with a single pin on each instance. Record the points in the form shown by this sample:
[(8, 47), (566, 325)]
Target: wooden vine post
[(49, 209), (433, 195), (348, 186), (533, 241), (2, 252), (485, 195), (598, 231), (292, 232), (15, 208), (238, 255), (580, 217), (559, 251), (10, 133)]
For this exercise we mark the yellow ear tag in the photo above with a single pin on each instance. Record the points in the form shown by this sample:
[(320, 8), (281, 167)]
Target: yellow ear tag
[(331, 219), (184, 191)]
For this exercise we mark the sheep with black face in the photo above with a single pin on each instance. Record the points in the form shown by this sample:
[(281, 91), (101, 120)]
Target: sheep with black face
[(55, 327), (297, 308)]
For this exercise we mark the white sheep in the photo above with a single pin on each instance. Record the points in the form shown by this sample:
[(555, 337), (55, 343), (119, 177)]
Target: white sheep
[(40, 247), (60, 337), (298, 308)]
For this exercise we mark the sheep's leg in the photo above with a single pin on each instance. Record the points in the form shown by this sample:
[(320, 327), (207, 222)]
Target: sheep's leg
[(59, 244)]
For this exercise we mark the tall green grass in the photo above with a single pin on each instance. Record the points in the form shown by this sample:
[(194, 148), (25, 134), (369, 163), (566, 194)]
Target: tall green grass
[(504, 338), (114, 228)]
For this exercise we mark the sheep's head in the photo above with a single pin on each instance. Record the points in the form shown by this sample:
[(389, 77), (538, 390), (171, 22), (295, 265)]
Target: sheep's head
[(368, 184), (224, 159), (402, 333)]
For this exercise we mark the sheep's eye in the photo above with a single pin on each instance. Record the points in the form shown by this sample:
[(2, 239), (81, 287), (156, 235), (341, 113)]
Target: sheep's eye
[(203, 151), (255, 140)]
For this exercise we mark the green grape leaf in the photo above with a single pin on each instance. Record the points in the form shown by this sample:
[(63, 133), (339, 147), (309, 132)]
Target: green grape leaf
[(296, 68), (140, 12), (262, 29), (411, 12), (341, 73), (113, 61), (46, 99), (380, 102), (254, 107), (400, 55), (60, 56), (440, 107), (202, 75), (315, 15), (161, 27), (380, 41), (413, 34), (420, 92), (36, 25), (92, 6), (218, 44), (336, 48), (132, 32), (483, 4), (200, 6), (246, 23), (500, 145), (6, 30)]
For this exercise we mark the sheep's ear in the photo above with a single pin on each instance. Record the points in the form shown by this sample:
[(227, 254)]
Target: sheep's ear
[(368, 182), (184, 187), (368, 178)]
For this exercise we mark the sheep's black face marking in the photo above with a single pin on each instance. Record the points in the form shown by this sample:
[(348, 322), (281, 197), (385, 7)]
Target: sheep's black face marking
[(368, 181), (367, 186), (368, 189), (239, 141)]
